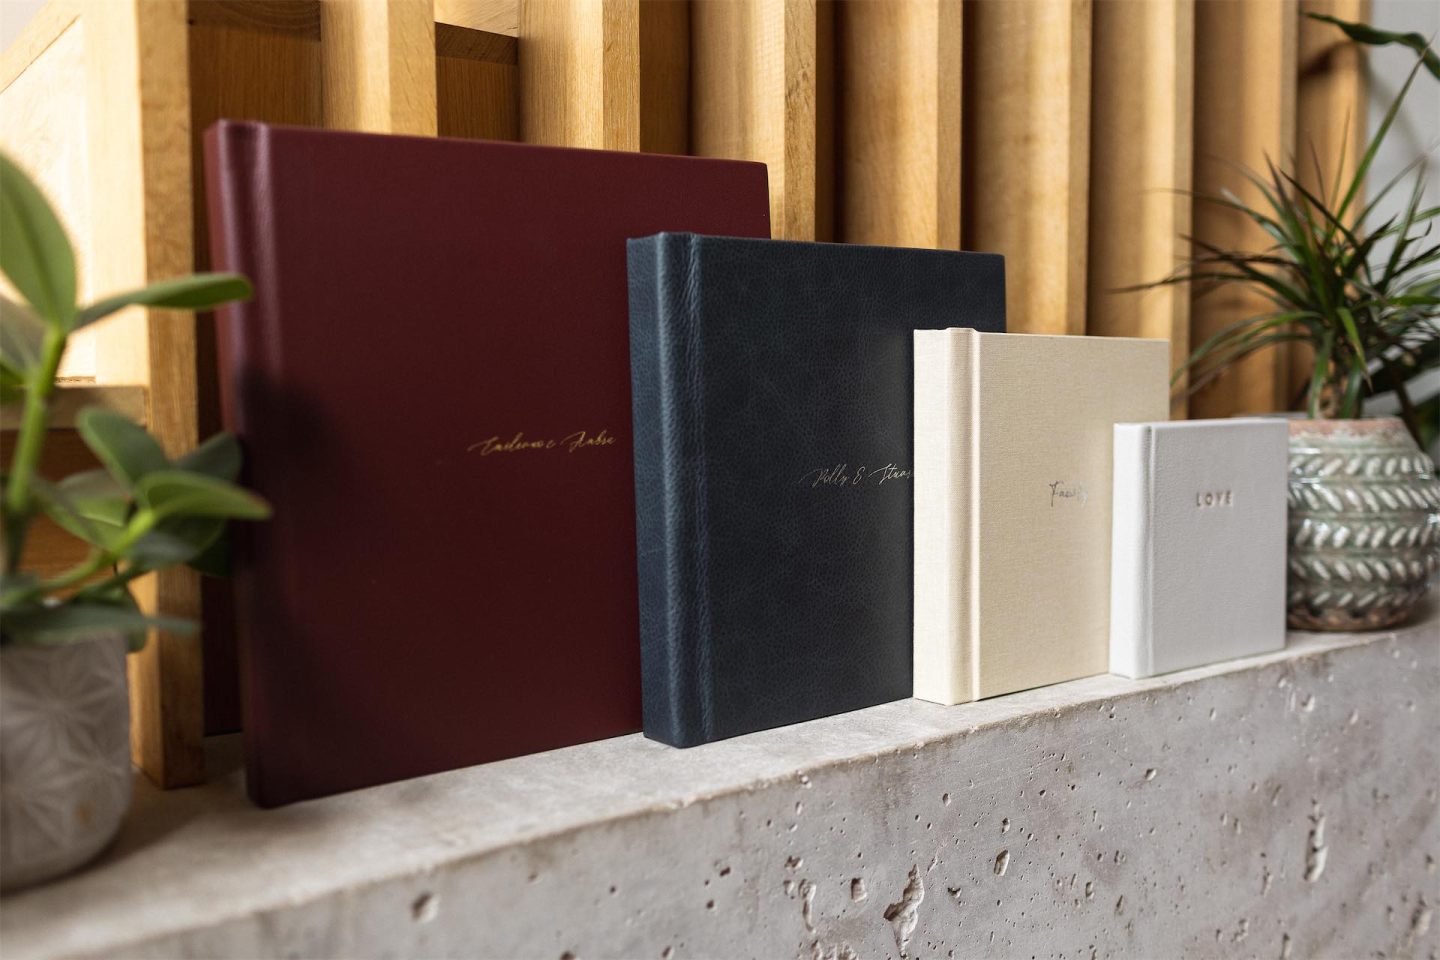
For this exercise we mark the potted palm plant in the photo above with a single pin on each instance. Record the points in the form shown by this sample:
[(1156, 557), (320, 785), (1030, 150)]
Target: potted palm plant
[(64, 708), (1362, 296)]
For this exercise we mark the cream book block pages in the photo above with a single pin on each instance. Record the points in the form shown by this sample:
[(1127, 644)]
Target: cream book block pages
[(1198, 559), (1013, 462)]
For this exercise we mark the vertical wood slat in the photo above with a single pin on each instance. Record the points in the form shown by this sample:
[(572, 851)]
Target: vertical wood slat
[(477, 84), (1140, 164), (899, 91), (754, 97), (1330, 99), (138, 123), (1330, 121), (379, 65), (605, 74), (579, 73), (1026, 126), (1245, 57)]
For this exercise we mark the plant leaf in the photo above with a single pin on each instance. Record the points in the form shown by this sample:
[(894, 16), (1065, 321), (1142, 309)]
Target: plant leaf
[(76, 622), (174, 541), (14, 587), (214, 560), (126, 450), (69, 516), (22, 336), (173, 493), (12, 384), (1366, 34), (200, 291), (1357, 180), (218, 457), (1353, 335), (96, 495), (35, 253)]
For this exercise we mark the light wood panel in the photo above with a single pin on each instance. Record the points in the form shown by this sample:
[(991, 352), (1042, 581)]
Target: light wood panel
[(138, 136), (898, 67), (1027, 156), (379, 65), (1142, 87), (1245, 55), (753, 97), (42, 124)]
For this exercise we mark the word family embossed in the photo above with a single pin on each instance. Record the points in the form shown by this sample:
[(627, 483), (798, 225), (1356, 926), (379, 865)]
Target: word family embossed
[(1062, 491), (1214, 498), (570, 443), (840, 475)]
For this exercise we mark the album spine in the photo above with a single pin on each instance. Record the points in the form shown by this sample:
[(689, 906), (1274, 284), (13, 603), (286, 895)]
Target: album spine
[(944, 661), (247, 347), (670, 492), (1131, 552)]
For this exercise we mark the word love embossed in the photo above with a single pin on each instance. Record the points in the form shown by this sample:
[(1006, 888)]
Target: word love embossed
[(570, 443), (1214, 498), (840, 475)]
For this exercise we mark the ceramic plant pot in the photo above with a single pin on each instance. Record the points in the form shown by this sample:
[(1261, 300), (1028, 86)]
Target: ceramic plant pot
[(1364, 524), (64, 756)]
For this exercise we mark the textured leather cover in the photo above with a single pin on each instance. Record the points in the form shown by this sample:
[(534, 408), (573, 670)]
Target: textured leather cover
[(773, 471), (1013, 440), (1198, 555), (435, 589)]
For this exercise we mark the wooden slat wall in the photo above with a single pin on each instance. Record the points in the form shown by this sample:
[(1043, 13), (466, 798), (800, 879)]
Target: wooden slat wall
[(379, 65), (1330, 121), (753, 97), (899, 89), (1061, 133), (1027, 153), (1245, 55), (1142, 87)]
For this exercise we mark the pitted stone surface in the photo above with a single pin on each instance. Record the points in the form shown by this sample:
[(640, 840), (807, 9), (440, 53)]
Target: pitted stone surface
[(1283, 806)]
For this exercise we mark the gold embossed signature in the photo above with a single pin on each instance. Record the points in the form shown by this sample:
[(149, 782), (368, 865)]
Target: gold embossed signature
[(840, 475), (570, 443)]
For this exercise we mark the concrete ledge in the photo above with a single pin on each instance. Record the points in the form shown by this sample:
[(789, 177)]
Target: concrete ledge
[(1282, 806)]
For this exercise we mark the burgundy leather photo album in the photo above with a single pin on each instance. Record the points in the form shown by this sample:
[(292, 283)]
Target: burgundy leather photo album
[(432, 387)]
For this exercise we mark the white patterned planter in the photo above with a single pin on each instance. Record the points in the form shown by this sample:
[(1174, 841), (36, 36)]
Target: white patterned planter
[(64, 756), (1364, 524)]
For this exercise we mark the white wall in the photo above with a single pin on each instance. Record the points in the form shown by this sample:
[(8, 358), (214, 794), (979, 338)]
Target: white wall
[(1416, 134)]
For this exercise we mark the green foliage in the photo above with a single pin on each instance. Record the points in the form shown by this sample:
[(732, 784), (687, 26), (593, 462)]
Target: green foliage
[(142, 512), (1371, 319), (1366, 34)]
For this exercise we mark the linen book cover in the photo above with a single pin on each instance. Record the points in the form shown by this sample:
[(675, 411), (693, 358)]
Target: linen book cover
[(432, 386), (773, 471), (1013, 440), (1198, 557)]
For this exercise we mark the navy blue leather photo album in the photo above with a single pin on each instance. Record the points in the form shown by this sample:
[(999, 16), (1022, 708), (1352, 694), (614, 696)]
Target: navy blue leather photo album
[(774, 487)]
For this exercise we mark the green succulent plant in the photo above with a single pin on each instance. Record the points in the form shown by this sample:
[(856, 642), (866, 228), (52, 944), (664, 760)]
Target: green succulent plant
[(1364, 296), (142, 511)]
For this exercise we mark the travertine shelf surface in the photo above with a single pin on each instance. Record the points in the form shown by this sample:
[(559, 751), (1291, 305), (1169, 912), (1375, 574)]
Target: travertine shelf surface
[(1282, 806)]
